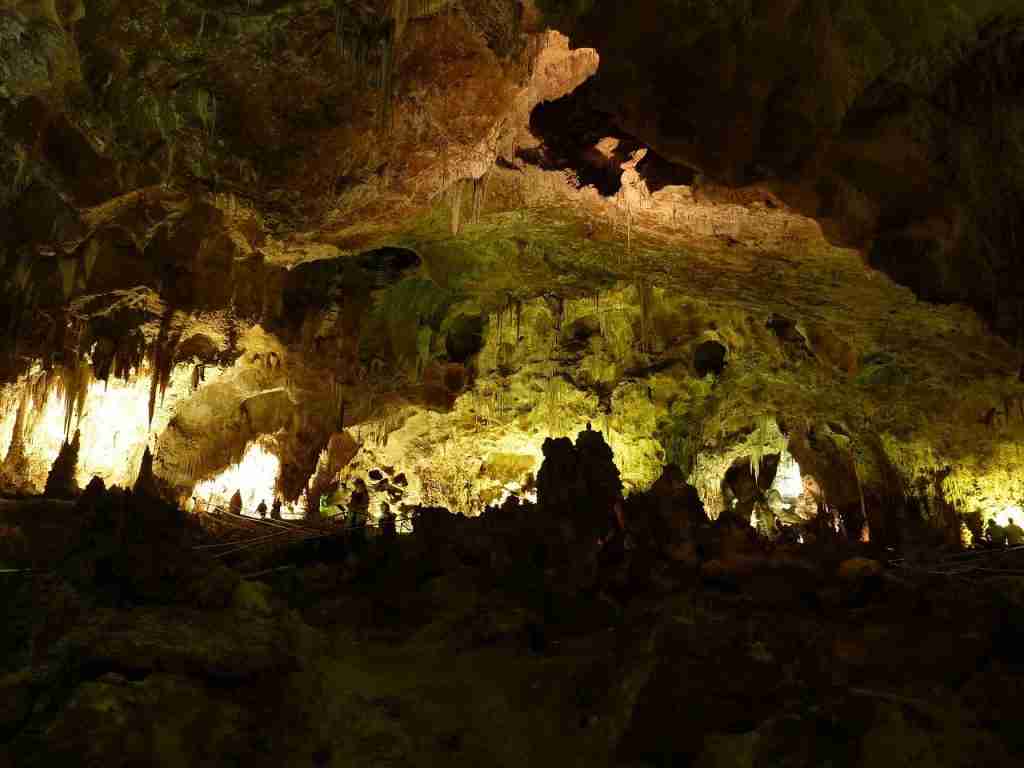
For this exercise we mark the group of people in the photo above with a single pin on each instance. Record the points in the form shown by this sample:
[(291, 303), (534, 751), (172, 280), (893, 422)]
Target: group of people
[(235, 507), (275, 510), (359, 511), (1009, 535)]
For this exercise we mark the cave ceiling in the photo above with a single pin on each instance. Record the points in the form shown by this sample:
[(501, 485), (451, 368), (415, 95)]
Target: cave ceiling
[(447, 230)]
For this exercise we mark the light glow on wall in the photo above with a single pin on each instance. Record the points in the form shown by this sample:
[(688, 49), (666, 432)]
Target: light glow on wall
[(8, 414), (255, 477), (114, 426), (1011, 512), (788, 480)]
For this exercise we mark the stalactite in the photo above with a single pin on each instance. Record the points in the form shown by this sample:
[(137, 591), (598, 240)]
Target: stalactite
[(76, 392), (761, 441), (162, 361), (646, 294), (128, 356), (479, 195), (101, 355), (156, 380), (456, 208), (40, 389)]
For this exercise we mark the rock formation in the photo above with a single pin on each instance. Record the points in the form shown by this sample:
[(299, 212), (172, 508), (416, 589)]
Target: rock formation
[(61, 482), (575, 291), (183, 219)]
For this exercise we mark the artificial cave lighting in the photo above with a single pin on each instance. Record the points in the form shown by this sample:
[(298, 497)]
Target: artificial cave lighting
[(9, 397), (788, 480), (516, 489), (1007, 513), (113, 423), (255, 477), (450, 460)]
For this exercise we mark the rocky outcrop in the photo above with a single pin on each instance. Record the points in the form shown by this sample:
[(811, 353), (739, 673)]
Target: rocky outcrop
[(285, 206), (367, 657), (885, 126)]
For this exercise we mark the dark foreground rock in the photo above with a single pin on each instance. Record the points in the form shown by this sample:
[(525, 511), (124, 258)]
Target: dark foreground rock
[(477, 641)]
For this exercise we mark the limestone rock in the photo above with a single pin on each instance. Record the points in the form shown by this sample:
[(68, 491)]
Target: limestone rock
[(580, 482), (62, 483)]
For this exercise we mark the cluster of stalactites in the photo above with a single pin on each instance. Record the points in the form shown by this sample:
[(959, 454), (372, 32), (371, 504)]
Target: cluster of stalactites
[(121, 360), (477, 188), (69, 381), (70, 378), (366, 46)]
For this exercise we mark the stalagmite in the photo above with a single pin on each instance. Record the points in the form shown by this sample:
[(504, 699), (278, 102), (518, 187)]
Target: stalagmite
[(146, 483), (14, 469), (61, 483)]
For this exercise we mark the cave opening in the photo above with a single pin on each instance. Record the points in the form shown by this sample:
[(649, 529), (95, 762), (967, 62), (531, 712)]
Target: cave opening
[(254, 478), (579, 137), (774, 495)]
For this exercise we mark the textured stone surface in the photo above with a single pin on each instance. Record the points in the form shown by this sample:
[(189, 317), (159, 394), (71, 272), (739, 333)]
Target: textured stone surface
[(467, 643), (292, 210)]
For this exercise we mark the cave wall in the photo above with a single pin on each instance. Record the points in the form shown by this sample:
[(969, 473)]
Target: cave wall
[(896, 126), (289, 218)]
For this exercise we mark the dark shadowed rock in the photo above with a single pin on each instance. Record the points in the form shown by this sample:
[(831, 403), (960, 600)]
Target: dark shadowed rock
[(61, 482)]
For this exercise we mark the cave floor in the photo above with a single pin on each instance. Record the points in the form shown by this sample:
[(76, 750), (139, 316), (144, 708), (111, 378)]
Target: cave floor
[(408, 657)]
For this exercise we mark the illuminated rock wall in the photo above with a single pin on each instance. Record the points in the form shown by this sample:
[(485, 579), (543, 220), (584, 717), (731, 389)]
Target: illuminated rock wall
[(113, 421), (255, 477)]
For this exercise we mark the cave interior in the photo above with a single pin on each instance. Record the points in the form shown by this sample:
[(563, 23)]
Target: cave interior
[(511, 382)]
